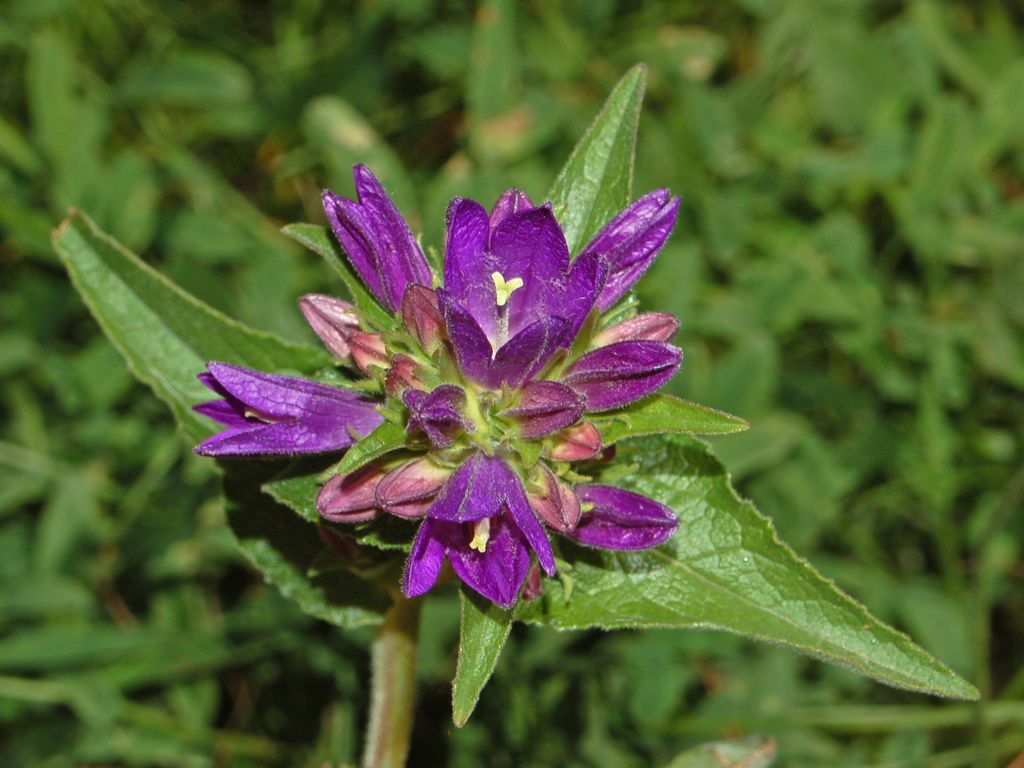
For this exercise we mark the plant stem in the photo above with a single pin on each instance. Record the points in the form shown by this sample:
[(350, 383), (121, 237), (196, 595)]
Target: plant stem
[(393, 686)]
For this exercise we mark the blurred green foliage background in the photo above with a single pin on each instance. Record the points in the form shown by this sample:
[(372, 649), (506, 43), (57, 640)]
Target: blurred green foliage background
[(848, 272)]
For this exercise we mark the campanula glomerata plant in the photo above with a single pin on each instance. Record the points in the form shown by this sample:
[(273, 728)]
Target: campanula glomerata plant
[(493, 372), (495, 408)]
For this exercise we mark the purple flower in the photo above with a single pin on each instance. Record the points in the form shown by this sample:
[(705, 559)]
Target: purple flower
[(510, 350), (280, 415), (376, 239), (483, 522)]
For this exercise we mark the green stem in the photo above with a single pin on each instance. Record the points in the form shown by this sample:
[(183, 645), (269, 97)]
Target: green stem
[(393, 686)]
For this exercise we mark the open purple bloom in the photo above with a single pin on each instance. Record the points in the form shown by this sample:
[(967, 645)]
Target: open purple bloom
[(280, 415), (498, 368)]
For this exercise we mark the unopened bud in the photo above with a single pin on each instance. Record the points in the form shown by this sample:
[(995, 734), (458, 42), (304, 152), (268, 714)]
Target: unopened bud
[(350, 498), (368, 349), (422, 317), (410, 490), (649, 326), (333, 320), (577, 443), (557, 506), (545, 407), (438, 413), (402, 375)]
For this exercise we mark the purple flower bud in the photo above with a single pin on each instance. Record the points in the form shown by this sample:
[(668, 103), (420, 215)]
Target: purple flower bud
[(649, 326), (333, 320), (376, 239), (266, 414), (557, 506), (619, 519), (620, 373), (410, 490), (422, 317), (350, 498), (368, 350), (438, 413), (576, 443), (533, 588), (402, 375), (545, 407), (631, 241)]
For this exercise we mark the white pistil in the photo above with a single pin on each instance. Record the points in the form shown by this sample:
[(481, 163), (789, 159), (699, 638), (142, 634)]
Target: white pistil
[(503, 290), (481, 535)]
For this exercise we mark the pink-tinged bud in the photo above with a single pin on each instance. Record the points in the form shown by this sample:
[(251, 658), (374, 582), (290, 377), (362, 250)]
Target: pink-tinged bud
[(368, 350), (545, 407), (333, 320), (410, 490), (577, 443), (533, 588), (350, 498), (402, 375), (558, 506), (649, 326), (422, 317)]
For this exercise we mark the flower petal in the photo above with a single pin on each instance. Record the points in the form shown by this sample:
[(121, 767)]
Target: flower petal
[(468, 264), (621, 519), (530, 245), (520, 511), (545, 407), (498, 572), (427, 556), (526, 353), (620, 373), (511, 201), (476, 490), (631, 241), (472, 349), (230, 413)]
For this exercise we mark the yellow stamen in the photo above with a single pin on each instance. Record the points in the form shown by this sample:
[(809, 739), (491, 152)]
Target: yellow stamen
[(481, 535), (503, 288)]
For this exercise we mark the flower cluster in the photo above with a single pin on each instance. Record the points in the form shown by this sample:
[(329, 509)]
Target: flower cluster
[(492, 368)]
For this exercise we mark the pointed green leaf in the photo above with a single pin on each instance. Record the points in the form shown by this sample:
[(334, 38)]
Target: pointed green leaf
[(663, 413), (319, 241), (384, 439), (285, 548), (164, 334), (727, 569), (483, 630), (597, 180)]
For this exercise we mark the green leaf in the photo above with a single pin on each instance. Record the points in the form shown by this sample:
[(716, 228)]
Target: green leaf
[(384, 439), (164, 334), (597, 179), (319, 240), (663, 413), (483, 630), (727, 569), (285, 549), (753, 752)]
